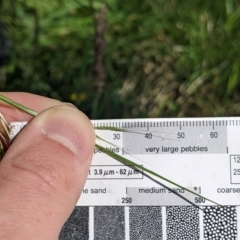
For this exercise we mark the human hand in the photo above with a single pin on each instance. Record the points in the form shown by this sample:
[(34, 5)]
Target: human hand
[(43, 172)]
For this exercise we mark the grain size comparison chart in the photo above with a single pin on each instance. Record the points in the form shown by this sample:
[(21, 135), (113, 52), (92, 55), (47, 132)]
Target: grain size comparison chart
[(119, 202)]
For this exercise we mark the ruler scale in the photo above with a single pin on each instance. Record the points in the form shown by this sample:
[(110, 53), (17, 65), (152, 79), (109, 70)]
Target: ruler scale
[(201, 154)]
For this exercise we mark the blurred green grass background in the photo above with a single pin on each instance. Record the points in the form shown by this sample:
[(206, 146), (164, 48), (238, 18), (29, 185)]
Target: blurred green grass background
[(125, 59)]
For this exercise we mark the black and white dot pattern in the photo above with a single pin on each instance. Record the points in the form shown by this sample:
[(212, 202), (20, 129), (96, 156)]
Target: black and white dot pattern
[(182, 223), (109, 223), (220, 223), (145, 223), (76, 227)]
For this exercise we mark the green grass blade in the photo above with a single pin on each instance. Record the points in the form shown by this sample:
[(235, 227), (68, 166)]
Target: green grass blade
[(106, 151), (18, 105), (116, 129), (129, 162)]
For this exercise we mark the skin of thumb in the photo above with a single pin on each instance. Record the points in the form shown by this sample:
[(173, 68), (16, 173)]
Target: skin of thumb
[(43, 173)]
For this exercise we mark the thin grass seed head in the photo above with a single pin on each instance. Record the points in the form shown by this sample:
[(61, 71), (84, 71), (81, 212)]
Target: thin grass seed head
[(5, 138)]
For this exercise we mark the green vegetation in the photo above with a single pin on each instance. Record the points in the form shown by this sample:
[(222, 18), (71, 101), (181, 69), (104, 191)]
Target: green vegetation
[(118, 59)]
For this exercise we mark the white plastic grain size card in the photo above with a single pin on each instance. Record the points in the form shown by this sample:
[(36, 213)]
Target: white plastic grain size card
[(122, 202)]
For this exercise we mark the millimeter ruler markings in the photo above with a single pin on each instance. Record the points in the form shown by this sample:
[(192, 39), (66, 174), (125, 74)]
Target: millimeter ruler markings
[(201, 154)]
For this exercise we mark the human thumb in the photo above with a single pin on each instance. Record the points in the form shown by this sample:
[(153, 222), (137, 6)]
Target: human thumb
[(43, 173)]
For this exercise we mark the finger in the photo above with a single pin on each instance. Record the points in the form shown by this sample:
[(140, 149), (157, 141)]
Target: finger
[(35, 102), (43, 173)]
